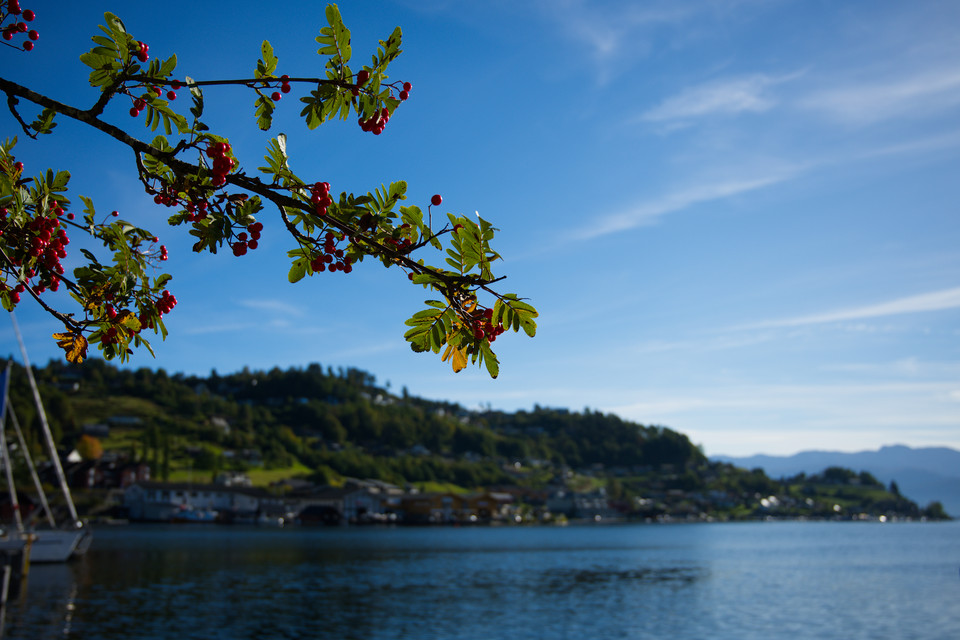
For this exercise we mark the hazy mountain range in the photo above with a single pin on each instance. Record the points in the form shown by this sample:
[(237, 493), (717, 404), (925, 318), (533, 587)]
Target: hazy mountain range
[(923, 475)]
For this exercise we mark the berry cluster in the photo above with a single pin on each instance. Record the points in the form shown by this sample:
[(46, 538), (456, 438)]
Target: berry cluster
[(42, 244), (375, 123), (222, 163), (166, 302), (14, 28), (143, 51), (483, 326), (110, 336), (378, 121), (139, 104), (284, 88), (195, 211), (245, 242), (331, 258), (401, 243), (174, 87), (320, 197)]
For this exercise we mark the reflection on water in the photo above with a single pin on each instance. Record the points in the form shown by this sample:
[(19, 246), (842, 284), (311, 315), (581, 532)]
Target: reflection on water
[(690, 581), (571, 580)]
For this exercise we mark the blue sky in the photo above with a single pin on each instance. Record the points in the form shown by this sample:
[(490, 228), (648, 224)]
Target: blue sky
[(737, 218)]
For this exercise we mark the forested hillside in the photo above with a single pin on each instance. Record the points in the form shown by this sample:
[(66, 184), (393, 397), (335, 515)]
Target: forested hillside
[(332, 420)]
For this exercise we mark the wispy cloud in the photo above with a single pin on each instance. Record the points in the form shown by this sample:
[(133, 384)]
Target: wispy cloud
[(608, 29), (252, 315), (752, 417), (918, 94), (371, 349), (911, 367), (737, 182), (933, 301), (726, 96), (273, 306), (647, 213), (701, 345)]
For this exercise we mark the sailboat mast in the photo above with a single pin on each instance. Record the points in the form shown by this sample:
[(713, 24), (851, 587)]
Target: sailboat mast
[(47, 435), (5, 453), (33, 470)]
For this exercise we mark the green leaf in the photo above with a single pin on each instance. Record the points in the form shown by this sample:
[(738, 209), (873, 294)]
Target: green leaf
[(264, 112), (297, 270), (269, 59), (169, 65), (44, 122), (490, 360)]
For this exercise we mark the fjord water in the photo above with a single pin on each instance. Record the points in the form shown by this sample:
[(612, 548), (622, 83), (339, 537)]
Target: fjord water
[(819, 580)]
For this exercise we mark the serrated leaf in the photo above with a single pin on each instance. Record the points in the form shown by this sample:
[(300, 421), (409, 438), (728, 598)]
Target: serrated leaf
[(269, 59), (490, 360), (169, 65), (74, 346), (458, 360), (297, 270), (129, 320)]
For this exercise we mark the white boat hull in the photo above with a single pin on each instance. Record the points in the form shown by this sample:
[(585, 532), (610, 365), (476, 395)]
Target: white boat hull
[(58, 545)]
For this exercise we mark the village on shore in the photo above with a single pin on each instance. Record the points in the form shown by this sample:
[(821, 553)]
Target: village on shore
[(232, 499)]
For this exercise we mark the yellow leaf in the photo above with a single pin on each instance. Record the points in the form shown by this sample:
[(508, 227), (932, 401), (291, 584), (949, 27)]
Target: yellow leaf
[(459, 360), (128, 320), (75, 346)]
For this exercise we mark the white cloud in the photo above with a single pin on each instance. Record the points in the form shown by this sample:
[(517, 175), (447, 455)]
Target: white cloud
[(608, 30), (728, 96), (933, 301), (774, 418), (648, 212), (917, 94), (273, 306)]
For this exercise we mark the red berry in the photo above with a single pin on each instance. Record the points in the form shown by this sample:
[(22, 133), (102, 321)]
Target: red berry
[(407, 86), (175, 85), (285, 88), (29, 15), (362, 76), (134, 112), (275, 96), (33, 34), (28, 45), (436, 200), (404, 95), (115, 213), (22, 27), (171, 95)]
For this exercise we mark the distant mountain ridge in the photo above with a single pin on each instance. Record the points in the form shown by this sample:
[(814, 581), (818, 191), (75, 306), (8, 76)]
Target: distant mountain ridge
[(924, 474)]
